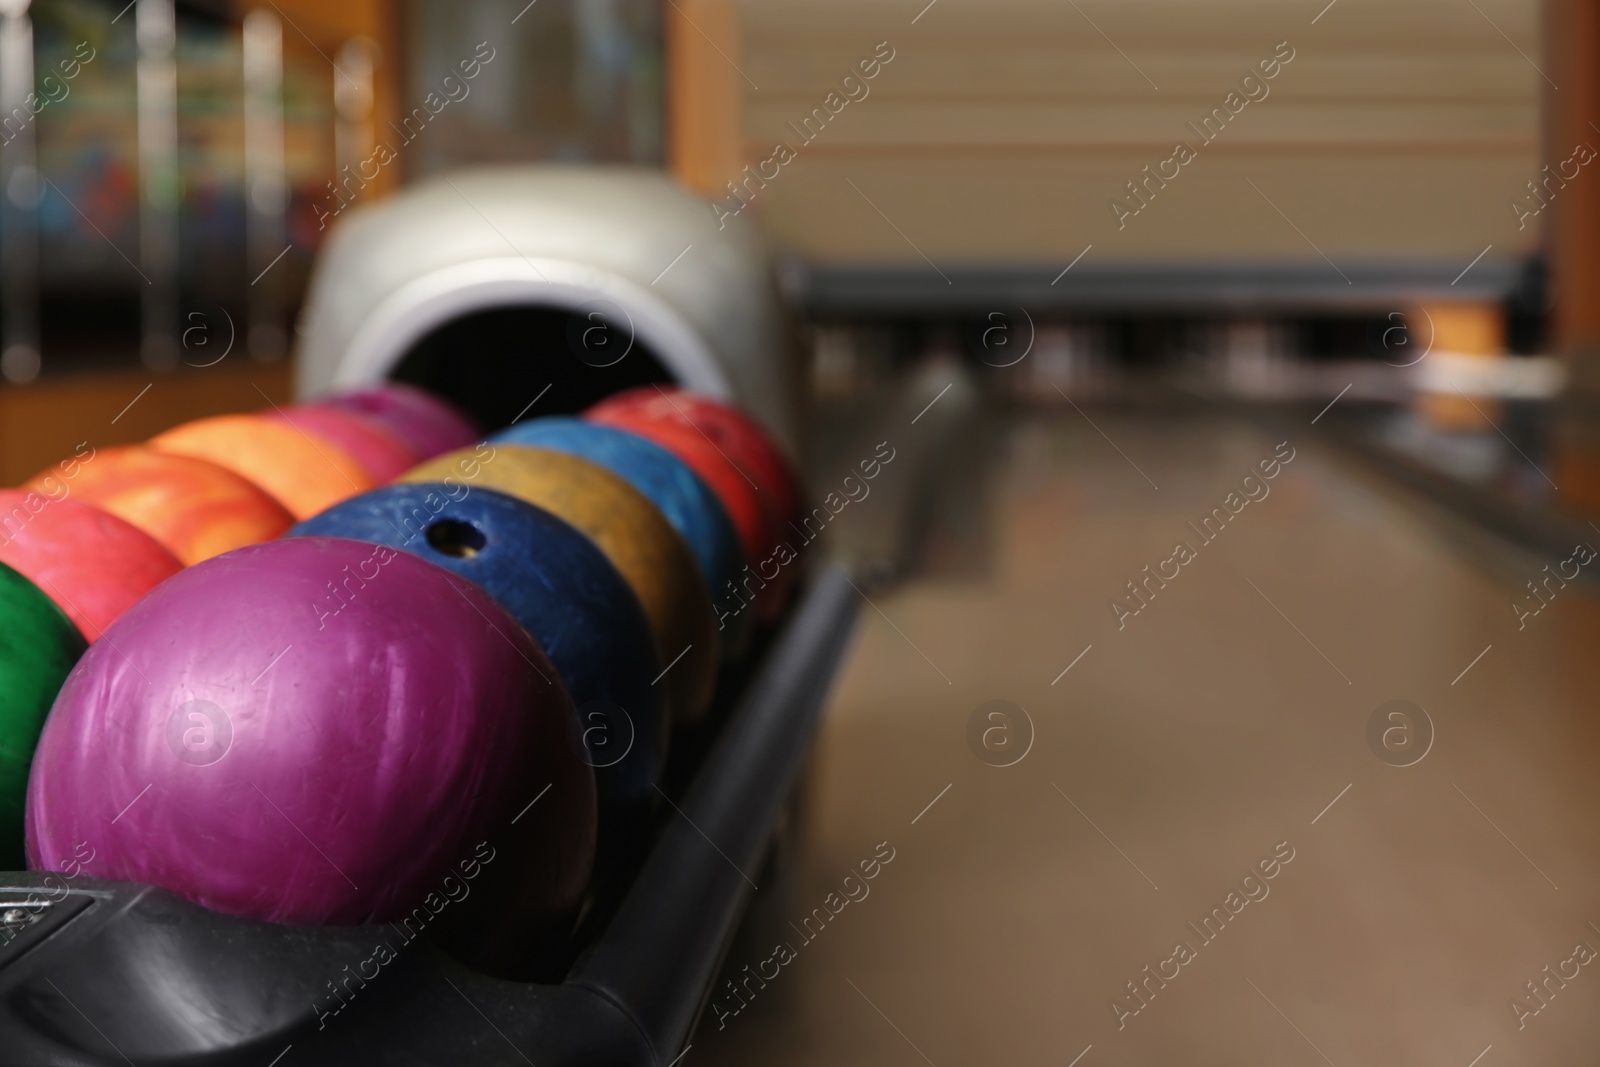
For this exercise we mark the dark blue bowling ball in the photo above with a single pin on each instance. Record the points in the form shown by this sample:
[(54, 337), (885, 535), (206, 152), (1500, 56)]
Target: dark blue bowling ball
[(676, 491), (560, 587)]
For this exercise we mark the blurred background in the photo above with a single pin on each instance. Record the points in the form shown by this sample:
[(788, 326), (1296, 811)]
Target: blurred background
[(1398, 215), (1086, 262)]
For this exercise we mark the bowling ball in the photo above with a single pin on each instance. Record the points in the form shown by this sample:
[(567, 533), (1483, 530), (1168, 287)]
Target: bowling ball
[(194, 508), (739, 437), (676, 491), (369, 442), (319, 730), (38, 646), (303, 472), (760, 531), (642, 545), (429, 425), (559, 586), (91, 563)]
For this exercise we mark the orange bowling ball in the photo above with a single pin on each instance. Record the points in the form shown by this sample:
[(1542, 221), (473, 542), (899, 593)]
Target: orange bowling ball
[(650, 555), (369, 442), (196, 509), (304, 472)]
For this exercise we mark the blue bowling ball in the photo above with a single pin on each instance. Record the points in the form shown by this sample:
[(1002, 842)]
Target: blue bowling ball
[(668, 483), (560, 587)]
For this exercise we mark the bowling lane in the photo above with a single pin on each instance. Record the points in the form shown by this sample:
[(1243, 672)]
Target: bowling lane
[(1219, 734)]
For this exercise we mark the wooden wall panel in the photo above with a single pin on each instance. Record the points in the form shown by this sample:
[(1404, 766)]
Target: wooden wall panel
[(1000, 130), (1572, 115), (1574, 112), (705, 90), (45, 421), (1001, 208)]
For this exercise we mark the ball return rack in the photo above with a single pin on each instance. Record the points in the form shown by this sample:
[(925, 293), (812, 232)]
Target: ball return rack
[(101, 974)]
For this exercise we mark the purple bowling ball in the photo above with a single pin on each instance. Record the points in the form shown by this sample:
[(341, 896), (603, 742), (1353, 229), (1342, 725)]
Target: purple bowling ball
[(428, 425), (321, 730)]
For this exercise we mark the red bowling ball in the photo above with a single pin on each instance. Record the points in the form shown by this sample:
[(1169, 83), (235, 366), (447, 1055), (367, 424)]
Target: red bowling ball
[(92, 564), (318, 730), (731, 455), (739, 437)]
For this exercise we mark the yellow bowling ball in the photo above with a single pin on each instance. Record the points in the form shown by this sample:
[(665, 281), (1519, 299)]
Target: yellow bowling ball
[(641, 544)]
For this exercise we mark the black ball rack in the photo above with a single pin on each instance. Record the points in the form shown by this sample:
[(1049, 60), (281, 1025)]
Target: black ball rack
[(102, 974)]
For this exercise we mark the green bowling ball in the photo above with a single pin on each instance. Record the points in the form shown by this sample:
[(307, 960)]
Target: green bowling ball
[(38, 646)]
